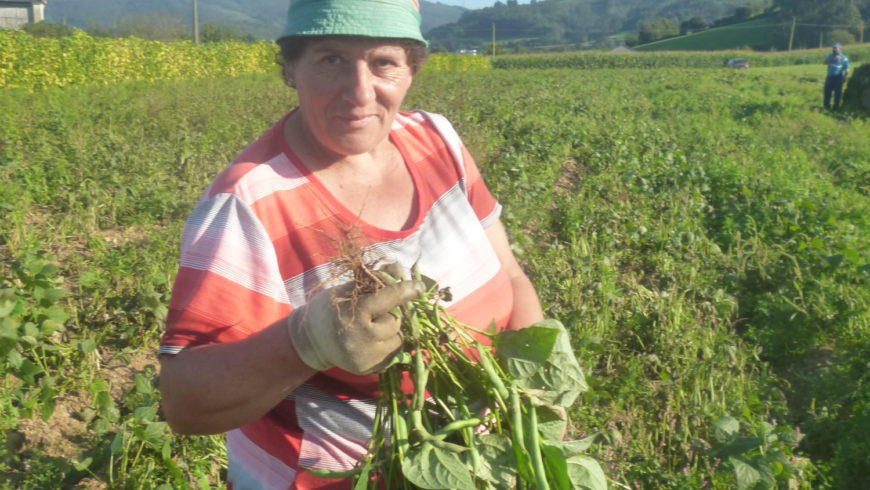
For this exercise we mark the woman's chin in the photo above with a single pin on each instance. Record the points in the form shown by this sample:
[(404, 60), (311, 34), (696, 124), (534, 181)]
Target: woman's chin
[(356, 144)]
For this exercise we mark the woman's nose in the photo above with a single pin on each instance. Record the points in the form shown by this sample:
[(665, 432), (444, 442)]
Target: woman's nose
[(359, 87)]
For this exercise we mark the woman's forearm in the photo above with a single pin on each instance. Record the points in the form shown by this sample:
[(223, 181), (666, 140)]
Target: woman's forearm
[(527, 307), (214, 388)]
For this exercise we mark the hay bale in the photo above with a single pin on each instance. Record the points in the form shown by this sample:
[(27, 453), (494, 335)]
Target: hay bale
[(857, 94)]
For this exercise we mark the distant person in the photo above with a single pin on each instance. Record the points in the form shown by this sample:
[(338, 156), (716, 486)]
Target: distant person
[(838, 70)]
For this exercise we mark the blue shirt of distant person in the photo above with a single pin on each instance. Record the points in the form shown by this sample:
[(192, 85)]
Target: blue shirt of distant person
[(838, 69)]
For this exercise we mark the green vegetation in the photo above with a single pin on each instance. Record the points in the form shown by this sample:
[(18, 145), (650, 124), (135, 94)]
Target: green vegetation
[(710, 59), (34, 63), (702, 234)]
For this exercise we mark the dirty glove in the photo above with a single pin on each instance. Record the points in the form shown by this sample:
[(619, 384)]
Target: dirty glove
[(358, 335)]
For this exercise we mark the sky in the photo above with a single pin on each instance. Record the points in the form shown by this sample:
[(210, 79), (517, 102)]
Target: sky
[(473, 4)]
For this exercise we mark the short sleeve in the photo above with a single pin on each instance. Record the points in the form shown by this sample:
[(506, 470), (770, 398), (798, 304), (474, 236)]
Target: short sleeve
[(229, 283), (485, 206)]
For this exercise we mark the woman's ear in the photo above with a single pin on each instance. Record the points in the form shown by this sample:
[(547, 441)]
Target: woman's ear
[(288, 75)]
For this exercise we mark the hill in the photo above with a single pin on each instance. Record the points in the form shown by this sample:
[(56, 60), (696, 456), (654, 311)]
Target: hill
[(569, 23), (761, 34), (263, 19)]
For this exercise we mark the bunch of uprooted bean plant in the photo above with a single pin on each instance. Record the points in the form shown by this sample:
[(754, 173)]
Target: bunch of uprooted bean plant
[(455, 414)]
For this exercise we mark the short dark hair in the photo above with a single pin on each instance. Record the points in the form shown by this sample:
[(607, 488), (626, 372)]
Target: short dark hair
[(291, 49)]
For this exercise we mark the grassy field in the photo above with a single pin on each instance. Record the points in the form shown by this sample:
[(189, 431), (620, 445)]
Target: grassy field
[(703, 234)]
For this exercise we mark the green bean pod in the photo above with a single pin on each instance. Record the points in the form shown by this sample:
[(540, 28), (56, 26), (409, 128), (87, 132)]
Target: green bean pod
[(486, 362), (334, 474), (534, 448)]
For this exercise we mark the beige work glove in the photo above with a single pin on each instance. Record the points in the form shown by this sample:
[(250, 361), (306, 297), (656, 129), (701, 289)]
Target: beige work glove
[(360, 336)]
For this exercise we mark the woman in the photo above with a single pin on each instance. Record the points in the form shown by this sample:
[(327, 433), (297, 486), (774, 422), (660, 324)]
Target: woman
[(258, 341)]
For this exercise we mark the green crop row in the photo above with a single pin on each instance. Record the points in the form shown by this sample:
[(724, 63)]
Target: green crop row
[(709, 59), (703, 234), (457, 62), (36, 63), (32, 63)]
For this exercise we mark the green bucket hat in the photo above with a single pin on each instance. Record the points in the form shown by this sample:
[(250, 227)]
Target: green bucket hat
[(370, 18)]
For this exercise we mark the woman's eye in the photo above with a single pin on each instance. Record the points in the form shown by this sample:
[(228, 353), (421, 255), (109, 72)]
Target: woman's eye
[(332, 59), (385, 63)]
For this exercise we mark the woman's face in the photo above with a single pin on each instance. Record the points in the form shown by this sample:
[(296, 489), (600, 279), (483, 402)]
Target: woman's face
[(349, 92)]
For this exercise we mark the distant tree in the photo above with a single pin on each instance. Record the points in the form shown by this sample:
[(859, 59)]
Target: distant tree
[(512, 3), (829, 15), (47, 29), (95, 29), (437, 47), (657, 29), (215, 33), (155, 27), (694, 24), (841, 36), (743, 13)]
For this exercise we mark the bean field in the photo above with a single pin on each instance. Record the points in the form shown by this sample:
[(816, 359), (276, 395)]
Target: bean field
[(702, 233)]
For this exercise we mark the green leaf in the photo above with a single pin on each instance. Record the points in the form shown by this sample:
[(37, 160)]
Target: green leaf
[(28, 371), (401, 358), (586, 473), (34, 265), (51, 295), (362, 481), (738, 446), (432, 468), (87, 346), (497, 462), (83, 464), (46, 398), (155, 434), (48, 270), (166, 450), (143, 385), (8, 335), (160, 313), (49, 326), (46, 409), (31, 330), (117, 445), (15, 359), (552, 422), (556, 466), (145, 414), (527, 349), (90, 279), (747, 476), (765, 470), (8, 301), (542, 361), (56, 313), (572, 448), (725, 428)]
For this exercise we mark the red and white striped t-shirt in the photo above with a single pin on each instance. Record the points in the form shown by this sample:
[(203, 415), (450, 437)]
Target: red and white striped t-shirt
[(266, 232)]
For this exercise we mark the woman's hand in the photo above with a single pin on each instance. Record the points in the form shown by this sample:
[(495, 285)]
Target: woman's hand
[(357, 334)]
